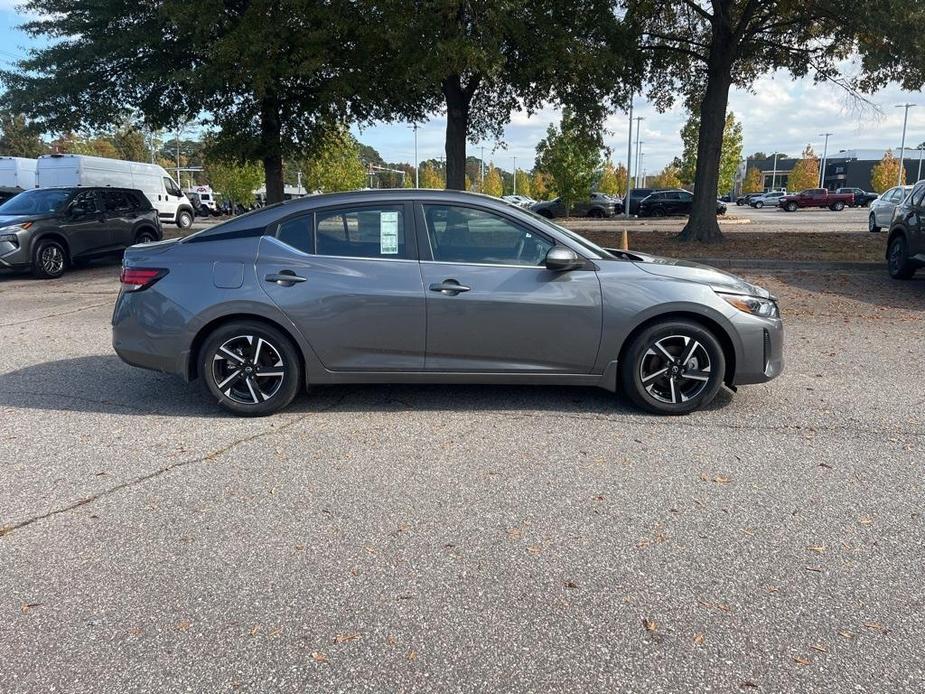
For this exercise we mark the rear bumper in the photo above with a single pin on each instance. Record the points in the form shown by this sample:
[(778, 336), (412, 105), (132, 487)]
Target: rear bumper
[(145, 344)]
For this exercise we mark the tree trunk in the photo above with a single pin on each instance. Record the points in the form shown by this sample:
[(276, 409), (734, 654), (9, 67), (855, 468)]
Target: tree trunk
[(702, 225), (457, 126), (271, 147)]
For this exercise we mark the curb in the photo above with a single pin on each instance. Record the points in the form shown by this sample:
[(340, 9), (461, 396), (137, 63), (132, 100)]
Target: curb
[(790, 265)]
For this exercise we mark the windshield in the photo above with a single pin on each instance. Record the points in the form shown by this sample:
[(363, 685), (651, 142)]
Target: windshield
[(580, 240), (39, 201)]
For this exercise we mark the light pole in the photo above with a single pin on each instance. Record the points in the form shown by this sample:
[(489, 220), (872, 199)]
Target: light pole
[(639, 120), (515, 176), (482, 170), (918, 176), (902, 146), (774, 172), (629, 161), (417, 180), (825, 151), (640, 183)]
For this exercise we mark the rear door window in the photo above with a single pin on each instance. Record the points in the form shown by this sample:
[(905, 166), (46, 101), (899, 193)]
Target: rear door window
[(367, 232), (115, 201)]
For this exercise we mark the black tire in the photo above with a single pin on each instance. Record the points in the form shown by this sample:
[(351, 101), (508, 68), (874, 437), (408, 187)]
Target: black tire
[(49, 259), (595, 213), (146, 236), (758, 205), (642, 360), (837, 206), (223, 370), (791, 207), (897, 259), (657, 212), (184, 219), (872, 224)]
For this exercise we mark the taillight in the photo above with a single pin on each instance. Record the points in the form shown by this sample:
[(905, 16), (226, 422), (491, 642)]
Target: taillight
[(134, 279)]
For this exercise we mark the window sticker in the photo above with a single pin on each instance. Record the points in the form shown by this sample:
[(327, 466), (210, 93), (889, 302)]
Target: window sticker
[(388, 233)]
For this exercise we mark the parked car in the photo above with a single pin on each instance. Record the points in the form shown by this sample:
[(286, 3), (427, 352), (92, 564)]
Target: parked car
[(47, 229), (747, 198), (598, 205), (671, 202), (815, 197), (881, 209), (637, 195), (66, 170), (308, 292), (861, 197), (767, 199), (519, 200), (906, 244)]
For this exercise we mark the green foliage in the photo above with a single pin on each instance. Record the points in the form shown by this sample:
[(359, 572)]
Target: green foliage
[(18, 138), (667, 178), (805, 173), (334, 163), (431, 177), (542, 186), (571, 155), (730, 157), (235, 181), (130, 144), (523, 183), (613, 179), (493, 184), (885, 173), (754, 180)]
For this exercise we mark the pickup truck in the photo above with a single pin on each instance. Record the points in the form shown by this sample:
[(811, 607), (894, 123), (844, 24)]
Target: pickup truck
[(816, 197)]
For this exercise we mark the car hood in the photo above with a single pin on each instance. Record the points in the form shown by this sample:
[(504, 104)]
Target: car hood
[(8, 219), (688, 271)]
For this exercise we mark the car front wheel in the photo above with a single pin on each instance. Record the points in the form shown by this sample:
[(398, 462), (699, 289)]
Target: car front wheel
[(872, 224), (898, 263), (791, 207), (672, 368), (252, 369), (49, 260)]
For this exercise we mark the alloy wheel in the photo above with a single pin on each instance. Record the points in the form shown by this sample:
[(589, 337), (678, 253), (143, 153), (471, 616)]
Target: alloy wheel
[(52, 259), (248, 369), (675, 369)]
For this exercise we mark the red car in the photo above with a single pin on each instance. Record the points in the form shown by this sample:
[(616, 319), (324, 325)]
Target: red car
[(816, 197)]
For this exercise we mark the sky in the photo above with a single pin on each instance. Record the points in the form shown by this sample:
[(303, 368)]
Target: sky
[(777, 114)]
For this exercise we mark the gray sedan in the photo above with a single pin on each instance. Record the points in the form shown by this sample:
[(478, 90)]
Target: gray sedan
[(415, 286), (881, 209)]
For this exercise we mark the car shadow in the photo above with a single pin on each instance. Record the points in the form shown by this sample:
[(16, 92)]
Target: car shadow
[(104, 384), (874, 289)]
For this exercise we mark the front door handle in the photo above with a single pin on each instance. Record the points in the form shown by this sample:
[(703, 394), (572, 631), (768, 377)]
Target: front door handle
[(449, 287), (284, 278)]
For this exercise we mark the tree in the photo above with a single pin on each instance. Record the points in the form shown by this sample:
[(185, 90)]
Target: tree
[(613, 179), (886, 172), (571, 155), (667, 178), (700, 48), (805, 173), (494, 186), (269, 75), (754, 180), (479, 60), (541, 186), (235, 181), (523, 182), (334, 163), (731, 152), (129, 141), (18, 138), (431, 177)]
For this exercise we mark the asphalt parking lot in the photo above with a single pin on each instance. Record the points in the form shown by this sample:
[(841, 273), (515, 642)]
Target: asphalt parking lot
[(394, 539)]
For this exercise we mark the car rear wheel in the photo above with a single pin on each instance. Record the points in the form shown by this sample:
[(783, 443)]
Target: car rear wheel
[(658, 212), (898, 260), (672, 368), (872, 224), (759, 204), (146, 236), (184, 219), (595, 212), (49, 259), (791, 207), (252, 369), (838, 206)]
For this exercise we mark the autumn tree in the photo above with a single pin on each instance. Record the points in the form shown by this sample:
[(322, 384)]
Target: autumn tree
[(754, 180), (431, 177), (542, 187), (19, 138), (698, 49), (493, 186), (523, 186), (667, 178), (571, 155), (613, 179), (886, 172), (805, 173), (333, 164)]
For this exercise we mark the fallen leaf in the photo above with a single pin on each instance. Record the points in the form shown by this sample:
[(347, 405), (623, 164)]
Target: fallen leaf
[(846, 634), (256, 630), (391, 640), (865, 520), (412, 655), (649, 625), (570, 584), (275, 631), (819, 647), (514, 533), (817, 569), (345, 638), (535, 550), (802, 661), (818, 549), (772, 589), (748, 684), (698, 639), (720, 479), (184, 625), (874, 626), (26, 606), (319, 657), (134, 631)]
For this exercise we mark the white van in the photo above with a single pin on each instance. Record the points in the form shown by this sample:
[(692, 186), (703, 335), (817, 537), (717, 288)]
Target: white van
[(57, 170), (16, 174), (206, 196)]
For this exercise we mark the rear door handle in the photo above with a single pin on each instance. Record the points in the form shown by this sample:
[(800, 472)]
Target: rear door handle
[(284, 278), (449, 287)]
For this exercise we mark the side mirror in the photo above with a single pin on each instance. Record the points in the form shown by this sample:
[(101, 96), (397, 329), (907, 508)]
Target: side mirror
[(562, 259)]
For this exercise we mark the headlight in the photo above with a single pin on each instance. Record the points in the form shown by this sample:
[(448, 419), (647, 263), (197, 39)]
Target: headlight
[(766, 308)]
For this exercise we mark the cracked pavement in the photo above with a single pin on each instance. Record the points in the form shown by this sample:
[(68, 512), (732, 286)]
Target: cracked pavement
[(447, 538)]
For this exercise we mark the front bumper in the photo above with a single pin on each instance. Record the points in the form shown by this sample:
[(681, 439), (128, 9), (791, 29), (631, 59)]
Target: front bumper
[(14, 256), (761, 358)]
